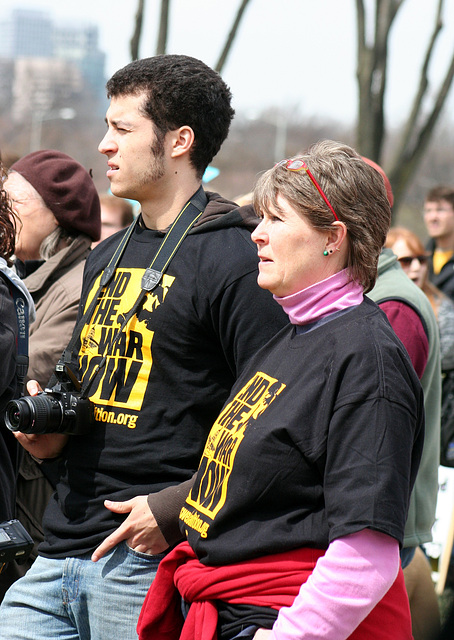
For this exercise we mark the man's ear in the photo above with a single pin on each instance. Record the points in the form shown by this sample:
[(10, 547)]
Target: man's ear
[(181, 140)]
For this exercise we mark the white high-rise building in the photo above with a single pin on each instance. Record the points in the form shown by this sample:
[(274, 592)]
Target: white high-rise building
[(26, 33), (32, 35)]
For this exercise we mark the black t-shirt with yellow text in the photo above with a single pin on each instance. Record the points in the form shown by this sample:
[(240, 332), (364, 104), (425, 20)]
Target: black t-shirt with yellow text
[(164, 380), (321, 437)]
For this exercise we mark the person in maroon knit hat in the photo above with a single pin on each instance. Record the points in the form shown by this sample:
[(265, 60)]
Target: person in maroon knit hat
[(58, 207)]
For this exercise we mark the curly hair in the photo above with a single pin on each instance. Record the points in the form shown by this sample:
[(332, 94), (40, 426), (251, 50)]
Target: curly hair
[(8, 222), (355, 190), (180, 90)]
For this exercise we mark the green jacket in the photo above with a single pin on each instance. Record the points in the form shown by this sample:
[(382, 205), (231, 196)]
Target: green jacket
[(393, 284)]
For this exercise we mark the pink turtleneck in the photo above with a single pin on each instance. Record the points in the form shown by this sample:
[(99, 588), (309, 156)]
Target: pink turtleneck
[(333, 294)]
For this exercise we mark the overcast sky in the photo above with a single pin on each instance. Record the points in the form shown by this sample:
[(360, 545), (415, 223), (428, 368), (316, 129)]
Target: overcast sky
[(293, 54)]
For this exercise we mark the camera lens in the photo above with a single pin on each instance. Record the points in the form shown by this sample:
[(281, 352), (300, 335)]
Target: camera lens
[(34, 414), (15, 417)]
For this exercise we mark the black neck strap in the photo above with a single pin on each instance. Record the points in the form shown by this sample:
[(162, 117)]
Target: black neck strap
[(170, 244)]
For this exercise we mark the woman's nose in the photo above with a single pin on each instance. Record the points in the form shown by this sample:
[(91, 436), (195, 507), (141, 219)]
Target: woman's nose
[(258, 234)]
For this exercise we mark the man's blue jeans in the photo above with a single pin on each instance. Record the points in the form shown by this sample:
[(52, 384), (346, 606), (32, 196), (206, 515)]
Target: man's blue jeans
[(77, 599)]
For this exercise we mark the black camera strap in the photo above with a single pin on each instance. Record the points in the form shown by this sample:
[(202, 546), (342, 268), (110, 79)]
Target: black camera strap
[(170, 244)]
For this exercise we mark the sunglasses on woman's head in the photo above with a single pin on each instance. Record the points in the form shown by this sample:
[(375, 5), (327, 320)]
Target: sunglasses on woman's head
[(297, 164)]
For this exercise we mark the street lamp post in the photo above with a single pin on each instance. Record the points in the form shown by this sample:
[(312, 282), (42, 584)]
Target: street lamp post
[(280, 141), (39, 116), (279, 122)]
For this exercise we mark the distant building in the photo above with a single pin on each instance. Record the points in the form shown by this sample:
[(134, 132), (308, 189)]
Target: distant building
[(50, 61), (41, 84), (79, 44), (6, 84), (26, 33)]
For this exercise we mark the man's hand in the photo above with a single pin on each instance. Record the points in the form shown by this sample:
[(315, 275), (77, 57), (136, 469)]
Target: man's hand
[(46, 445), (263, 634), (140, 529)]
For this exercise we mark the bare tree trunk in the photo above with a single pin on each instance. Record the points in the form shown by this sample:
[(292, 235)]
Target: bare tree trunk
[(161, 46), (371, 76), (231, 37), (135, 40)]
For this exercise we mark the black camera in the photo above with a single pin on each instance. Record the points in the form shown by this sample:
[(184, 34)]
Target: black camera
[(60, 409), (15, 542)]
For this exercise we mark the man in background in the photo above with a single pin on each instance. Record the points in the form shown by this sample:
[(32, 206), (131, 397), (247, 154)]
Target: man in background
[(439, 221)]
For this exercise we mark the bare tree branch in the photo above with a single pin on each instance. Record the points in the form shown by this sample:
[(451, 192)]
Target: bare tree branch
[(415, 113), (136, 36), (405, 166), (371, 76), (416, 136), (231, 37), (361, 26), (161, 46)]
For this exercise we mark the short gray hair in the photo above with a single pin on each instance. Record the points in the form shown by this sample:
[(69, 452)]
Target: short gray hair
[(50, 245)]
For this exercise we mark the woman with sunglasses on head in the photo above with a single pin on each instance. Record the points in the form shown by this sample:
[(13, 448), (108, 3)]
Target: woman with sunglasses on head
[(298, 509)]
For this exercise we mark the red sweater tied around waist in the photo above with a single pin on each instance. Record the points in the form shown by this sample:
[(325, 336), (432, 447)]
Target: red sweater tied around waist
[(270, 581)]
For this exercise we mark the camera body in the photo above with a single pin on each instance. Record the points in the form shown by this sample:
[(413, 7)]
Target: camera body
[(60, 409), (15, 542)]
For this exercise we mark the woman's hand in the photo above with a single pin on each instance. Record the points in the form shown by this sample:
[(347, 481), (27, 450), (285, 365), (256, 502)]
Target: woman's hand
[(46, 445), (140, 529)]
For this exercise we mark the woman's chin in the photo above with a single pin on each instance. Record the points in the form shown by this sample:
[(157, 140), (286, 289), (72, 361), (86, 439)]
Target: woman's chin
[(265, 283)]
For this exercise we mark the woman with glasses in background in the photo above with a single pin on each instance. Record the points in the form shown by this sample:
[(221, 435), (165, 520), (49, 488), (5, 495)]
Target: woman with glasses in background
[(298, 509), (414, 259)]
